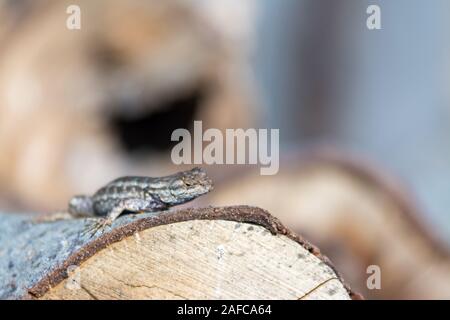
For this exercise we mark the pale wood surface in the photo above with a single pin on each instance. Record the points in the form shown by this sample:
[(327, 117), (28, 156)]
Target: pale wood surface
[(203, 260)]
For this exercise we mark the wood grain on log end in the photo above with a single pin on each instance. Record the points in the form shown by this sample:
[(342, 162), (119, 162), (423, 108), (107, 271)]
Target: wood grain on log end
[(235, 252)]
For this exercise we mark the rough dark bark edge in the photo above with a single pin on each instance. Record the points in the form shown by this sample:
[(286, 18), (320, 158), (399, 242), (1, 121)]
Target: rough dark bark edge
[(244, 214)]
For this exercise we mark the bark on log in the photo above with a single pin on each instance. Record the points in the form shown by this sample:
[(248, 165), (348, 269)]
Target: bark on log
[(226, 253)]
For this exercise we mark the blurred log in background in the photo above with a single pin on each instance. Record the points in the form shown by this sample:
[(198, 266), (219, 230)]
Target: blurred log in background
[(111, 94)]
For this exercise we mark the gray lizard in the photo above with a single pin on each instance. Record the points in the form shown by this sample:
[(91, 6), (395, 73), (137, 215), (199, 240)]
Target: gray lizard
[(139, 194)]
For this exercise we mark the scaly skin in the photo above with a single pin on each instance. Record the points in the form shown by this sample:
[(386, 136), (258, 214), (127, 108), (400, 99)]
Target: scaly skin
[(140, 194)]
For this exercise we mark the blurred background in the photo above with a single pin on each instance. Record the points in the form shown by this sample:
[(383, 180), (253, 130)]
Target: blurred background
[(364, 115)]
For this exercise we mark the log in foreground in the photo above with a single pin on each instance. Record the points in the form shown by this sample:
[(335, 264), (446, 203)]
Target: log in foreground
[(207, 253)]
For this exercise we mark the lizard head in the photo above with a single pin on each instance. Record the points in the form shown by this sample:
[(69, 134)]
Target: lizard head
[(190, 184)]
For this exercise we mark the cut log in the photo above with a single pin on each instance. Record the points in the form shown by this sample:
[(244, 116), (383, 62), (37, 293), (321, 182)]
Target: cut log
[(209, 253)]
